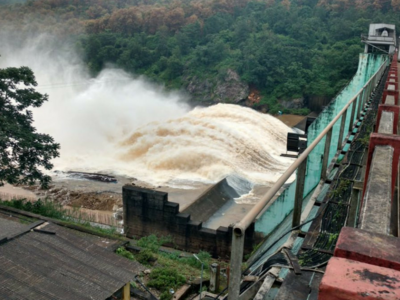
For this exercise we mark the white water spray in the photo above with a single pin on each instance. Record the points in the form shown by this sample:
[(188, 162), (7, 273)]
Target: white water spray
[(124, 125)]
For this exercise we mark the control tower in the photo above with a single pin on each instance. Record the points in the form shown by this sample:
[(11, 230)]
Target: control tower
[(381, 38)]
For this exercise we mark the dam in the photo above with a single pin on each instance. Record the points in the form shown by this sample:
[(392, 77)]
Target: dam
[(345, 188), (298, 227), (344, 196), (331, 206)]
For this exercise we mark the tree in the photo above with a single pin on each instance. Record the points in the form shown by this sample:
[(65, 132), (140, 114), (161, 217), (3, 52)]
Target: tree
[(23, 152)]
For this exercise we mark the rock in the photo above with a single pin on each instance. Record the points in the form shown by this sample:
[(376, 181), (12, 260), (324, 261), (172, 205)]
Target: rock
[(118, 214), (292, 104), (227, 88), (147, 272), (232, 89)]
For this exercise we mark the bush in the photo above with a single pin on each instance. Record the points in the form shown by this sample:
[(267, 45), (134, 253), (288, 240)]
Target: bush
[(145, 256), (152, 242), (165, 278), (125, 253), (166, 296), (205, 257)]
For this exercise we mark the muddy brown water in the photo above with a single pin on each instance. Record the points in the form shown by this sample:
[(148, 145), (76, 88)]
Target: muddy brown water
[(290, 120)]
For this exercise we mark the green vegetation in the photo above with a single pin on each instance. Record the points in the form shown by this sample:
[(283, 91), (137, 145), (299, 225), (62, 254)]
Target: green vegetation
[(23, 151), (145, 257), (152, 242), (125, 253), (50, 209), (283, 49), (165, 278), (44, 208), (170, 269), (340, 190)]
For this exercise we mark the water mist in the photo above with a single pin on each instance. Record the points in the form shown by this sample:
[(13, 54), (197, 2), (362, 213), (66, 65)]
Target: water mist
[(125, 125)]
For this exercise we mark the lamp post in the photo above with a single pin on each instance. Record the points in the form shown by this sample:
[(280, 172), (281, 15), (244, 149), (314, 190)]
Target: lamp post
[(201, 276)]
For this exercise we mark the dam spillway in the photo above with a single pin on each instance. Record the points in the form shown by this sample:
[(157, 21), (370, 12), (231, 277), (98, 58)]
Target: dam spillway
[(342, 198)]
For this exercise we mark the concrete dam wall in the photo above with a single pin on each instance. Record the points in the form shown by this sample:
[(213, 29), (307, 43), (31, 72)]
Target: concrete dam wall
[(149, 212)]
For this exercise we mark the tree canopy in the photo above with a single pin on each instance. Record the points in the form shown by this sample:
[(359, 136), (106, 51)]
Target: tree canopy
[(285, 49), (24, 153)]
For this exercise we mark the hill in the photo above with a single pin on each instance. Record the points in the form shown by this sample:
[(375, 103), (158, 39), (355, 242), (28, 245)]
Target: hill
[(218, 51)]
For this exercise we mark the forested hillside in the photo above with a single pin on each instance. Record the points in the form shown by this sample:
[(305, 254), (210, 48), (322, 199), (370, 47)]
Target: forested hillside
[(218, 50)]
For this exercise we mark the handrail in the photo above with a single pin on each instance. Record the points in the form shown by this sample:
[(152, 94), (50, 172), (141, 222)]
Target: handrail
[(265, 201), (253, 213)]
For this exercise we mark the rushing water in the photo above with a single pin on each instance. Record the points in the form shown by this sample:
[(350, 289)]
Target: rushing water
[(125, 125)]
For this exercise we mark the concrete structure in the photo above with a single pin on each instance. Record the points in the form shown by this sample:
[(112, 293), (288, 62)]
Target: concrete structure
[(149, 212), (376, 208), (367, 262), (381, 38), (316, 242), (348, 279), (367, 247)]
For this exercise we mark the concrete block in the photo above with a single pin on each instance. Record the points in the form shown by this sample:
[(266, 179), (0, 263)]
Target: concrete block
[(392, 86), (171, 207), (376, 208), (389, 100), (352, 280), (377, 139), (208, 233), (222, 232), (389, 108), (386, 122), (182, 218), (155, 215), (368, 247), (194, 226), (394, 93)]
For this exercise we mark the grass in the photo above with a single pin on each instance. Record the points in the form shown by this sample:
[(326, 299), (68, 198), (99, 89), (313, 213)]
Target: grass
[(47, 208), (188, 266), (170, 269)]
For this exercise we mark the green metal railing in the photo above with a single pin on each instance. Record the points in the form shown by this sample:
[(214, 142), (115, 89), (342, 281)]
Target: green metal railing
[(350, 112)]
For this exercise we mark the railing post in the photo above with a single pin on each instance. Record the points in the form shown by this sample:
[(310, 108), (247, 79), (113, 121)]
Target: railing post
[(326, 154), (214, 277), (236, 265), (341, 130), (360, 104), (353, 111), (370, 89), (298, 200), (364, 99)]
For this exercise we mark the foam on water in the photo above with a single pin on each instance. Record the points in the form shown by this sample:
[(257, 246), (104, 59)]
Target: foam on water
[(209, 144), (125, 125)]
